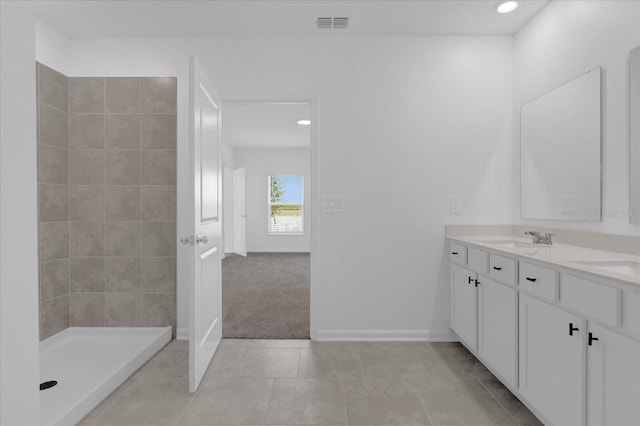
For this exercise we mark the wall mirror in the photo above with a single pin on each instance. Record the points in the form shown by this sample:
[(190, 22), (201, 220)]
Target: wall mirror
[(634, 136), (560, 152)]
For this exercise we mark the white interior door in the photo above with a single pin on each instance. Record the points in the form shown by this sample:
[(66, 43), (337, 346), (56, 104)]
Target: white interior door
[(239, 213), (227, 207), (205, 301)]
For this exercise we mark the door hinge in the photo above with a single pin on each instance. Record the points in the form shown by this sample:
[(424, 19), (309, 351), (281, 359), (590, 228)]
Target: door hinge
[(190, 240)]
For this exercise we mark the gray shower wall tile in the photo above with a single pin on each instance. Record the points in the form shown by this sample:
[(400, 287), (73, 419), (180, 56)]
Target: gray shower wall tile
[(123, 239), (87, 239), (157, 310), (122, 309), (86, 309), (159, 95), (158, 239), (54, 278), (86, 202), (122, 167), (158, 131), (54, 316), (122, 94), (53, 164), (52, 87), (86, 131), (122, 202), (122, 131), (99, 139), (158, 202), (87, 275), (86, 166), (86, 95), (53, 240), (123, 274), (158, 166), (158, 275), (53, 126), (53, 202)]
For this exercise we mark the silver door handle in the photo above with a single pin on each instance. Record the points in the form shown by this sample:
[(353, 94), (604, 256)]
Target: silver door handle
[(202, 239)]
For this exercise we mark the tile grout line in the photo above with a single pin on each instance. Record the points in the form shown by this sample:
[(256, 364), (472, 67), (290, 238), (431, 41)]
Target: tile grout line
[(139, 146), (516, 422), (344, 400), (415, 391), (104, 197), (69, 206)]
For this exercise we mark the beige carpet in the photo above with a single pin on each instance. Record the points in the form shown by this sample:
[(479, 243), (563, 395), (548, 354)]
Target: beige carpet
[(266, 296)]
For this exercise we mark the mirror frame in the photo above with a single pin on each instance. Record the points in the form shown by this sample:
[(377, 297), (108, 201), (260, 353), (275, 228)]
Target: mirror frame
[(576, 100), (634, 136)]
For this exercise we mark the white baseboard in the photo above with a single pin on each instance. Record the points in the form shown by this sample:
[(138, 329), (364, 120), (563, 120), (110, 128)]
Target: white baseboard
[(385, 336), (278, 251), (182, 334)]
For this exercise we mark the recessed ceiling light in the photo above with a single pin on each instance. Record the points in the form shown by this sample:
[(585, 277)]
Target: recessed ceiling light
[(506, 6), (304, 122)]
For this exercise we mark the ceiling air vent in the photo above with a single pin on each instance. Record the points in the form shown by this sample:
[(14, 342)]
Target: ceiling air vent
[(328, 23)]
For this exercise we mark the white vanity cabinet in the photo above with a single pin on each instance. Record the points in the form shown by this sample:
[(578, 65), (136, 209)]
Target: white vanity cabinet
[(566, 343), (552, 361), (613, 388), (464, 305), (483, 314), (498, 328)]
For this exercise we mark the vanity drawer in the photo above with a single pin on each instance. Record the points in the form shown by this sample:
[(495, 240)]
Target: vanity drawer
[(538, 280), (458, 253), (591, 298), (477, 260), (503, 269)]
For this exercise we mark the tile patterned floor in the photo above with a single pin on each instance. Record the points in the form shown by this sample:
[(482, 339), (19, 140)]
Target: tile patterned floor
[(298, 382)]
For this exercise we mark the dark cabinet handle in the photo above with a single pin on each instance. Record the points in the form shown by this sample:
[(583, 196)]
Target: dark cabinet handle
[(477, 282), (572, 329), (497, 268), (533, 280), (470, 280), (591, 338), (454, 252)]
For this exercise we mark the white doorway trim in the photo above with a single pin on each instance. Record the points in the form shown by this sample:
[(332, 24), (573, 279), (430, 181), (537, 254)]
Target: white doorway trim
[(314, 198)]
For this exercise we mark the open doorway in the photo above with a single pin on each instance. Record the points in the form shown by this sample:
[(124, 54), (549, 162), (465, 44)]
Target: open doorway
[(267, 222)]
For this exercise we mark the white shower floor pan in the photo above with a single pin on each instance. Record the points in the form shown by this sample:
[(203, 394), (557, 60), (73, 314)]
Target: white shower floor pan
[(89, 363)]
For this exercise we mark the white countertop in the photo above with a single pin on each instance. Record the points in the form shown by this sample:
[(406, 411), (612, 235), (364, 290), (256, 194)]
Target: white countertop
[(565, 256)]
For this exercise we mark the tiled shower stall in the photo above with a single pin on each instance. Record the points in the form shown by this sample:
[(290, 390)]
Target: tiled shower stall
[(107, 201)]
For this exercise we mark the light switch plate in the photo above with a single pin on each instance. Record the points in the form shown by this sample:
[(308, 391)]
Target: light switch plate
[(331, 204), (568, 204), (455, 205)]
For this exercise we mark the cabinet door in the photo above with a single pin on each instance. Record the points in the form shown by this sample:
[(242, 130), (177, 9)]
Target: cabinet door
[(464, 306), (552, 362), (497, 327), (613, 392)]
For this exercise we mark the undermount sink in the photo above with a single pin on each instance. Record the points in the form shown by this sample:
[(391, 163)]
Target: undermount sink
[(512, 244), (619, 267)]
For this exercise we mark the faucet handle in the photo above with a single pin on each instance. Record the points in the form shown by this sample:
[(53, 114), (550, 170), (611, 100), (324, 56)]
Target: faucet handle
[(532, 233)]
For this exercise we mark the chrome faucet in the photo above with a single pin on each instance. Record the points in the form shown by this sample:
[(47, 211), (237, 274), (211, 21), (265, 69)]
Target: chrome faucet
[(540, 239)]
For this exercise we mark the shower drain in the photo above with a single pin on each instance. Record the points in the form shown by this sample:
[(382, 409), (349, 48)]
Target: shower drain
[(47, 385)]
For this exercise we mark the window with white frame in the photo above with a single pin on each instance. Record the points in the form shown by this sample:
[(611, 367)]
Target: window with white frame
[(285, 197)]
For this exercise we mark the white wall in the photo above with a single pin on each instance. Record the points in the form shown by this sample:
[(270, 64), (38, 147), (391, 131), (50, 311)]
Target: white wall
[(258, 164), (19, 334), (565, 40), (404, 123)]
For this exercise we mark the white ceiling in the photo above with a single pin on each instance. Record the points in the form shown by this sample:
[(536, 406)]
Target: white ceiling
[(274, 125), (265, 125), (108, 18)]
